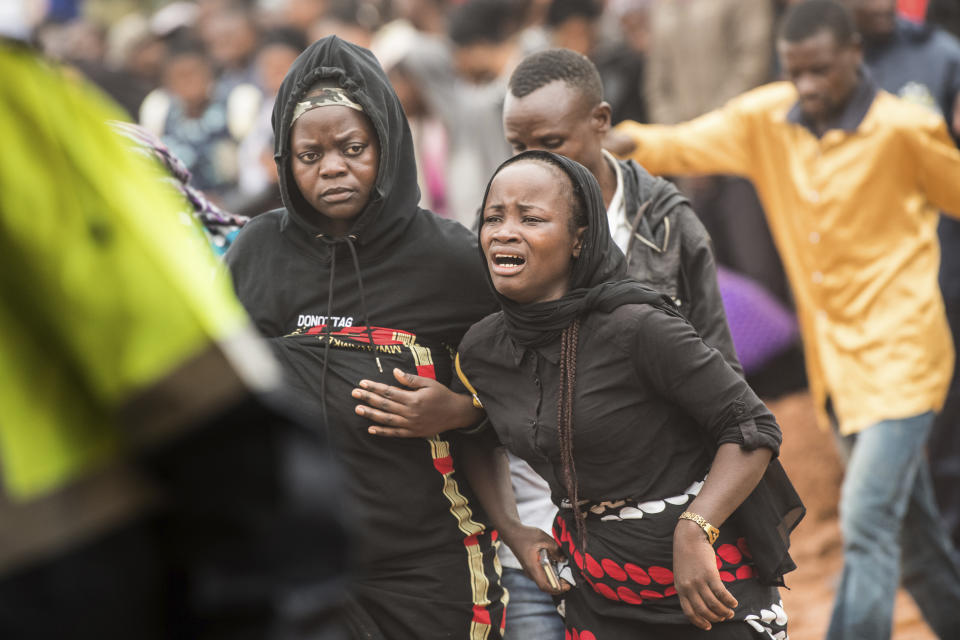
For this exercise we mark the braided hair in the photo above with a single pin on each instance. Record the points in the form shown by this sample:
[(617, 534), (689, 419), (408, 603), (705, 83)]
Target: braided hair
[(568, 380)]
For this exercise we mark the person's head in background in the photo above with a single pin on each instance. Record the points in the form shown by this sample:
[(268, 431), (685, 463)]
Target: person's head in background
[(820, 54), (426, 16), (355, 21), (77, 41), (573, 24), (634, 19), (231, 37), (555, 103), (188, 76), (302, 14), (278, 49), (876, 19), (484, 35), (392, 44), (134, 48)]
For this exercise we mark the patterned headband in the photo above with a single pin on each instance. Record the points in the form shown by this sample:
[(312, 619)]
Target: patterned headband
[(327, 97)]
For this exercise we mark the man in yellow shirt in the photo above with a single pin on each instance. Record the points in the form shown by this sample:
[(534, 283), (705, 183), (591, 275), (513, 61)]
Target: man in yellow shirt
[(851, 179)]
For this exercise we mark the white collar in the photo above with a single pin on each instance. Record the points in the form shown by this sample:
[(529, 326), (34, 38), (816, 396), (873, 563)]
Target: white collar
[(617, 211)]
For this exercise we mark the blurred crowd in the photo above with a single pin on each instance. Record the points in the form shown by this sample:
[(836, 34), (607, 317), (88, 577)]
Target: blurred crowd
[(203, 74)]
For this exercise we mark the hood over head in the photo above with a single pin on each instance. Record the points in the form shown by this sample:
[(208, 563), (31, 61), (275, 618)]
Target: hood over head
[(395, 196), (598, 279), (600, 260)]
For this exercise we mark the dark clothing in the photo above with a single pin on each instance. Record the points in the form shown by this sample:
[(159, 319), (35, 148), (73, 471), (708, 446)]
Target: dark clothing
[(847, 119), (918, 63), (945, 14), (114, 585), (668, 380), (731, 213), (428, 282), (671, 251), (431, 601), (725, 631), (675, 255), (125, 88), (248, 545), (621, 72), (625, 579), (399, 291), (638, 365), (648, 405)]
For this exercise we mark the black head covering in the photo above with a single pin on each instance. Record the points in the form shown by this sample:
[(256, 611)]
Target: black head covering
[(598, 278), (395, 196), (394, 200)]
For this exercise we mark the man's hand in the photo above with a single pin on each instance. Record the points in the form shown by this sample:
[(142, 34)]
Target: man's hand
[(526, 542), (426, 409), (703, 597)]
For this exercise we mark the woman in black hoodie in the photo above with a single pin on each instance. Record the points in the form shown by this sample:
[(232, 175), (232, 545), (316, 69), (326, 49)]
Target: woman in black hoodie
[(352, 280)]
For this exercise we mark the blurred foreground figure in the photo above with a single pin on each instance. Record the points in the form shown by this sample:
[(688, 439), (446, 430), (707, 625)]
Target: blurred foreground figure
[(148, 486)]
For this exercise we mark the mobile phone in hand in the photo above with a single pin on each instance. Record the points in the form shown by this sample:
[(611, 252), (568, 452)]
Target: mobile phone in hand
[(549, 569)]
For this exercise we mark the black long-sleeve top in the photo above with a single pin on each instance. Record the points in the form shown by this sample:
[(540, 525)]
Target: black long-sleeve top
[(651, 403)]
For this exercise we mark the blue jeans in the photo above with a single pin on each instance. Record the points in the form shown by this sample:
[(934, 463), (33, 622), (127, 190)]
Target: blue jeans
[(531, 613), (890, 522)]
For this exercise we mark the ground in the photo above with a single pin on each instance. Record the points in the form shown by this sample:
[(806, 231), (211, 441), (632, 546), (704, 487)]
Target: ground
[(810, 458)]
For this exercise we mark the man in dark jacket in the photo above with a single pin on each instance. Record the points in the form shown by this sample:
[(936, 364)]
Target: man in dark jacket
[(555, 102)]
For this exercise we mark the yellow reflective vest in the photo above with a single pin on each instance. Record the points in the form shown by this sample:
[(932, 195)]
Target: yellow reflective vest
[(105, 285)]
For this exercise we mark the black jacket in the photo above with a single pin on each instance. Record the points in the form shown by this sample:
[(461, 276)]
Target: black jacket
[(416, 282), (648, 393), (670, 251)]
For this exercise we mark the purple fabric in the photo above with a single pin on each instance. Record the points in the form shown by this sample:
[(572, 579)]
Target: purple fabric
[(761, 326)]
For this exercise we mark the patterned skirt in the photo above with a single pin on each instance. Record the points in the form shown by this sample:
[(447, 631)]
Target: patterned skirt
[(623, 583)]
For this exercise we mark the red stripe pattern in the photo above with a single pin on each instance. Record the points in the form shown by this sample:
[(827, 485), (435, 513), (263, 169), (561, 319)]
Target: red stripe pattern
[(632, 584)]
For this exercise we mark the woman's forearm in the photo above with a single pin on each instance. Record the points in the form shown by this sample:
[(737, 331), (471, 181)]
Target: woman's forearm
[(732, 477), (487, 469), (734, 474)]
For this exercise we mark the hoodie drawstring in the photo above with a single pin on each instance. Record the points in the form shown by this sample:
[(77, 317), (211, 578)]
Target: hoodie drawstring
[(363, 301), (332, 244)]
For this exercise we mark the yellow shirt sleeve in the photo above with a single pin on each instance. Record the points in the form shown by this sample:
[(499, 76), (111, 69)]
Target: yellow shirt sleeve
[(936, 160), (715, 143)]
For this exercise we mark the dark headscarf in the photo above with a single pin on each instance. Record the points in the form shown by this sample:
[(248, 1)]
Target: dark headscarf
[(598, 278), (393, 202)]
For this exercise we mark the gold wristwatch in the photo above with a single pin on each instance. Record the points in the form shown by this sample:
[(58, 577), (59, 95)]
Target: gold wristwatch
[(711, 531)]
